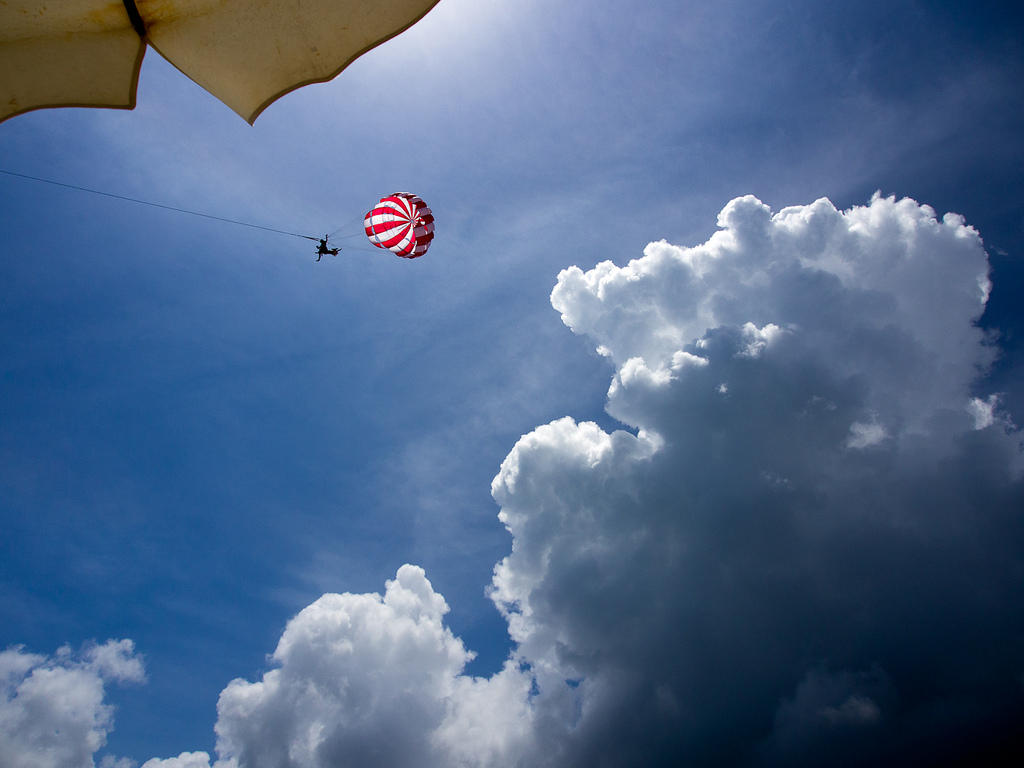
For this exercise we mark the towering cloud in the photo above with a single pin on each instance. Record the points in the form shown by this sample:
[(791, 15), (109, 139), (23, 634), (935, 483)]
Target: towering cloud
[(808, 535), (806, 548)]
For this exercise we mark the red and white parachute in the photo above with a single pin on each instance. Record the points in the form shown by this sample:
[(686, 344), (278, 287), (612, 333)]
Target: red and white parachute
[(402, 223)]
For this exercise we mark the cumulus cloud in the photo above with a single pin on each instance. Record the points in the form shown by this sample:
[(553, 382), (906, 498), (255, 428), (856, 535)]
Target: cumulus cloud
[(52, 712), (806, 550), (806, 487), (367, 680), (884, 293)]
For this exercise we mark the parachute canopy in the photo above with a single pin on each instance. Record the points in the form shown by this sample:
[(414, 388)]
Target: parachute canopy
[(247, 53), (402, 223)]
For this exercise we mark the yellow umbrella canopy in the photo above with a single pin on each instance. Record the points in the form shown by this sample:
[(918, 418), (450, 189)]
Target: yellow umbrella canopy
[(247, 53)]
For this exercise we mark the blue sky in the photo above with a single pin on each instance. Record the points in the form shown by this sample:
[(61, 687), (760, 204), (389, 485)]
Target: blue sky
[(203, 431)]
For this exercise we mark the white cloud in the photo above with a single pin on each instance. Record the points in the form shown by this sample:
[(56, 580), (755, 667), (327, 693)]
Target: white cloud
[(864, 434), (984, 411), (885, 292), (184, 760), (115, 660), (679, 594), (52, 712), (367, 680)]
